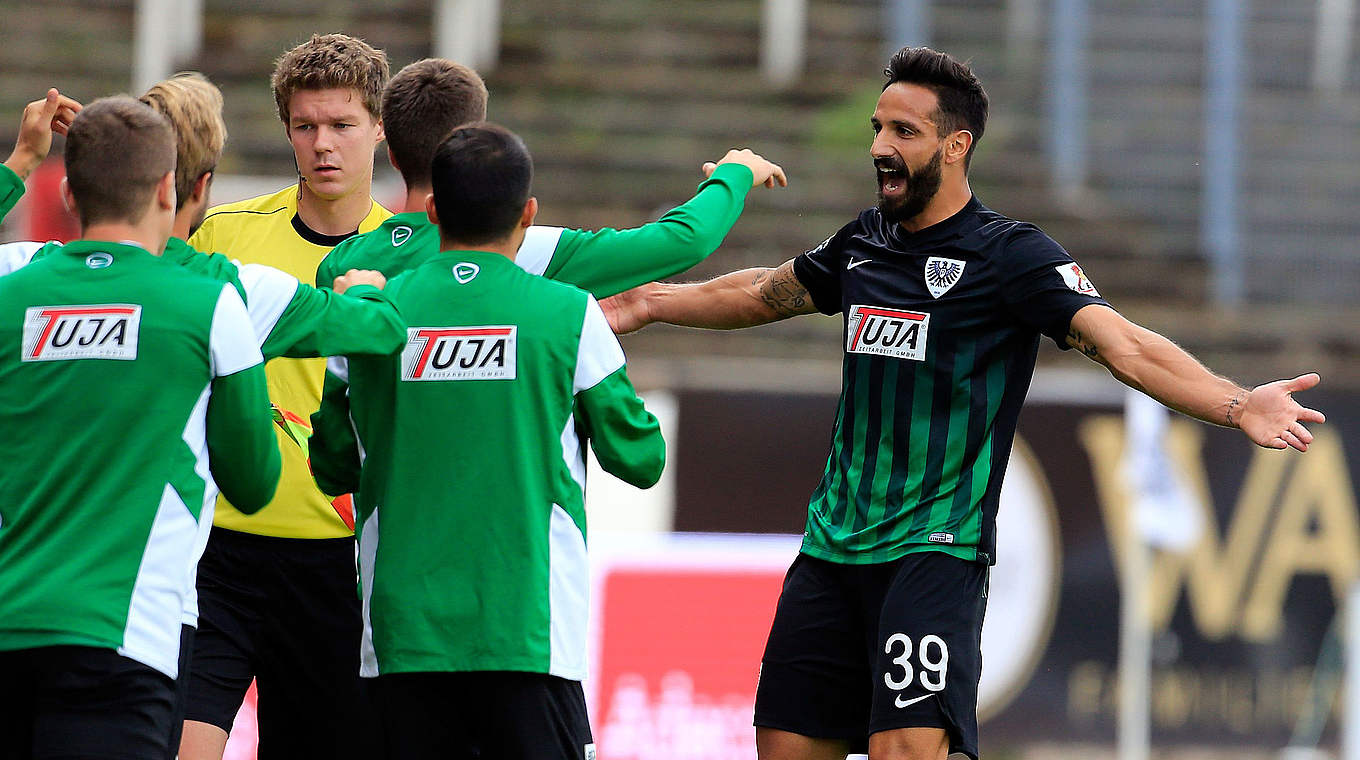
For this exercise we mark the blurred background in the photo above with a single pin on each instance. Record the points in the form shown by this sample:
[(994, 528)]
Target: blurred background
[(1199, 158)]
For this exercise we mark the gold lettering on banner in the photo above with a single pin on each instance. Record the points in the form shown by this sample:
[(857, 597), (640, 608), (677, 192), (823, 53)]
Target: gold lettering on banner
[(1237, 701), (1295, 515)]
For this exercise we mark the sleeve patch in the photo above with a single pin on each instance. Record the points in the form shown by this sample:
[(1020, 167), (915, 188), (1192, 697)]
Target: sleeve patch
[(1076, 279)]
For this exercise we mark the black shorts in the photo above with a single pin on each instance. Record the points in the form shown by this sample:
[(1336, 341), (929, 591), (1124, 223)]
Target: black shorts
[(186, 651), (503, 715), (858, 649), (82, 702), (284, 611)]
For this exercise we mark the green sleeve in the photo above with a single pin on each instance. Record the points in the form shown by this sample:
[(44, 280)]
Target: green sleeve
[(325, 271), (611, 261), (625, 436), (316, 322), (334, 448), (242, 452), (11, 190)]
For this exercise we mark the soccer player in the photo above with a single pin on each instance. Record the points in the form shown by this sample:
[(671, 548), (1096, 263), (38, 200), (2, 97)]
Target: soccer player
[(277, 597), (471, 498), (427, 99), (97, 528), (876, 634), (290, 318)]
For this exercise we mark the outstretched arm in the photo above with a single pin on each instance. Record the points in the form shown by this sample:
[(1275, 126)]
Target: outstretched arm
[(1146, 361), (609, 261), (745, 298)]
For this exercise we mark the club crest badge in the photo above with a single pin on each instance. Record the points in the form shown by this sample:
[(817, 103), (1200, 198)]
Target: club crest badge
[(464, 272), (942, 274), (400, 235)]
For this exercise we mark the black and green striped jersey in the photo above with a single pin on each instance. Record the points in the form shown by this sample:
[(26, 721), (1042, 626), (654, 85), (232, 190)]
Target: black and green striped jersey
[(941, 333)]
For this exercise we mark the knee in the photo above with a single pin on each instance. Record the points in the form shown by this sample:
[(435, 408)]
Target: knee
[(909, 744)]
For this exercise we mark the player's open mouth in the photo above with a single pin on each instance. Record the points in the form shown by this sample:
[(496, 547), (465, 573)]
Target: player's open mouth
[(891, 181)]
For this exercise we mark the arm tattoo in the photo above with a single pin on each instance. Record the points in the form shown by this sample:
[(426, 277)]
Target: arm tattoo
[(1076, 340), (782, 292), (1233, 403)]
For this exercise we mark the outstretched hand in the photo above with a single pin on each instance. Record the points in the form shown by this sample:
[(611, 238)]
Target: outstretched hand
[(359, 277), (1271, 417), (627, 312), (41, 118), (764, 172)]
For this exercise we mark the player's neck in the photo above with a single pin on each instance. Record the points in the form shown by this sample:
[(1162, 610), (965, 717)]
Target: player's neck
[(415, 198), (335, 216), (507, 246), (143, 235), (948, 201)]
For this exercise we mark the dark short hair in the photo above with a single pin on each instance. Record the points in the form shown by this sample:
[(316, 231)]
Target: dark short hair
[(963, 102), (117, 150), (421, 105), (480, 175)]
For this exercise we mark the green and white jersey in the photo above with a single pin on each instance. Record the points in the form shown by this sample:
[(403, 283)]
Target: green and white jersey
[(289, 318), (130, 392), (472, 529), (604, 262)]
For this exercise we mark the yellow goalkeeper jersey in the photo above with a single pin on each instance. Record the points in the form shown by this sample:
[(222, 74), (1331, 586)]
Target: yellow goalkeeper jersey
[(266, 230)]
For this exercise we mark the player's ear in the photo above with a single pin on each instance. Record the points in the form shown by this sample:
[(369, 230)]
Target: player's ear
[(68, 199), (430, 210), (382, 134), (957, 144), (165, 191), (526, 220), (201, 187)]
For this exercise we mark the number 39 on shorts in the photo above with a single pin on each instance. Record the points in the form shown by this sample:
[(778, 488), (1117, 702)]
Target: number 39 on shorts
[(932, 655)]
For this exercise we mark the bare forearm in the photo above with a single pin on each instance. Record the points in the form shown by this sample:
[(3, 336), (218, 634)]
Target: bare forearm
[(744, 298), (1151, 363)]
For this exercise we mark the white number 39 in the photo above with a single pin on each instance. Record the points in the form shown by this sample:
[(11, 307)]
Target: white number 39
[(933, 658)]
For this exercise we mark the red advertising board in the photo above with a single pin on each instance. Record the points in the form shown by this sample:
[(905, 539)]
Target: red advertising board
[(680, 625)]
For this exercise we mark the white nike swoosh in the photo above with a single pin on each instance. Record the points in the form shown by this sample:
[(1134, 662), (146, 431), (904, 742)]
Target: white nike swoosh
[(852, 264), (908, 703)]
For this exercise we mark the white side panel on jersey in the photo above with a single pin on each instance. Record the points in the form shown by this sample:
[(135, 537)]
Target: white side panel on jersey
[(568, 596), (230, 348), (196, 437), (16, 256), (599, 354), (152, 633), (536, 252), (368, 554), (573, 454), (268, 293)]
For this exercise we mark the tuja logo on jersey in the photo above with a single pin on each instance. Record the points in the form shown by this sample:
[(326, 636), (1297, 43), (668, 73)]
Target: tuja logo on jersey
[(56, 333), (887, 332), (459, 353)]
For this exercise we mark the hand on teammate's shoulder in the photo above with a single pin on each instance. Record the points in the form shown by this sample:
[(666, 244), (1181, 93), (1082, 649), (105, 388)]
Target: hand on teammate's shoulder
[(359, 277)]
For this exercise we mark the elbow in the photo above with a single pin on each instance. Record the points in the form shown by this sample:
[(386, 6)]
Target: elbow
[(250, 495)]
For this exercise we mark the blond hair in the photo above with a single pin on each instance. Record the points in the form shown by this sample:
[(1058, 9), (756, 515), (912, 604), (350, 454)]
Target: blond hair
[(193, 106), (331, 61)]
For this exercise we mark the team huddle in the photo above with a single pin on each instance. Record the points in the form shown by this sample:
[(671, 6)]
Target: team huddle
[(208, 407)]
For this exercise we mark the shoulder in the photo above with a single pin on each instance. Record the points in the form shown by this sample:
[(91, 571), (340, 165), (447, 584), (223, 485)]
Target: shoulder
[(1010, 238), (279, 202)]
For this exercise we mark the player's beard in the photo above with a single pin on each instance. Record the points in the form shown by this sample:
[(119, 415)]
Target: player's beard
[(920, 187)]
